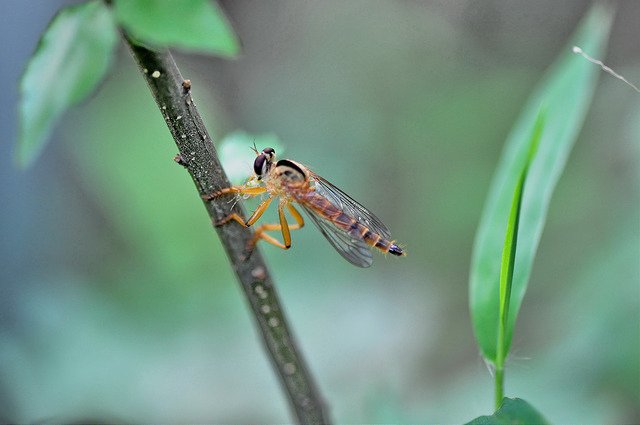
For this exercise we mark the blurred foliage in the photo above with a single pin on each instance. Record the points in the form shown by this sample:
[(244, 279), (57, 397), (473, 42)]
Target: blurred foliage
[(71, 59), (76, 49), (237, 156), (512, 411), (194, 25), (117, 300)]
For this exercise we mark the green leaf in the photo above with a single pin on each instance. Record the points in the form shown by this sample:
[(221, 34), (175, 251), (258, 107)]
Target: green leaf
[(195, 25), (509, 255), (511, 237), (70, 61), (512, 411), (566, 92)]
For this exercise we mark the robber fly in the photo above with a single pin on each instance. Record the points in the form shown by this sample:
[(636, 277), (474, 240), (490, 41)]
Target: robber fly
[(347, 225)]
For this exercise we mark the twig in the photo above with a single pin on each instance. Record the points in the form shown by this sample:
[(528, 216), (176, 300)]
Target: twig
[(578, 51), (197, 154)]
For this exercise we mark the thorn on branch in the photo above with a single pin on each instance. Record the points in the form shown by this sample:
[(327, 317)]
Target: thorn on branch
[(180, 160)]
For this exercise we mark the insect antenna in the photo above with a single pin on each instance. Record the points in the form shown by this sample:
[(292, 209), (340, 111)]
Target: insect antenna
[(254, 148)]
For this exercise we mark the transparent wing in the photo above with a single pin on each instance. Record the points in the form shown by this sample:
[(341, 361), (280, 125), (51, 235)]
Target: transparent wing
[(354, 249), (349, 206)]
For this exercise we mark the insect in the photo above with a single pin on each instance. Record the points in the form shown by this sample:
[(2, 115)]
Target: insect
[(350, 228)]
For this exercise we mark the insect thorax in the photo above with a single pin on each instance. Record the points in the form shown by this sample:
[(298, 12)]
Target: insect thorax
[(290, 173)]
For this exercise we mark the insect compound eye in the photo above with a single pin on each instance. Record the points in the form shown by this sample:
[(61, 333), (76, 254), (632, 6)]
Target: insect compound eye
[(258, 164)]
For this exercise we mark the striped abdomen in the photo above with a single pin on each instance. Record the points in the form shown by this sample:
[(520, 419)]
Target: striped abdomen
[(324, 208)]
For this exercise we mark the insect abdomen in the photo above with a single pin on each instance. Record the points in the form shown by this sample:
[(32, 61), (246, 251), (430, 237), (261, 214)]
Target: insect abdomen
[(353, 226), (379, 242)]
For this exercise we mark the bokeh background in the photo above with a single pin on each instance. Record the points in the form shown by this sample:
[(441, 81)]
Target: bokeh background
[(116, 299)]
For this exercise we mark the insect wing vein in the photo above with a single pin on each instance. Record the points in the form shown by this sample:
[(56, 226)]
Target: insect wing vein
[(350, 207), (355, 251)]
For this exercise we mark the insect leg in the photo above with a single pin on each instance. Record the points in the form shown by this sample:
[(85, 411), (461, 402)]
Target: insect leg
[(251, 191), (297, 216), (284, 227), (267, 238), (286, 234), (261, 234), (254, 217)]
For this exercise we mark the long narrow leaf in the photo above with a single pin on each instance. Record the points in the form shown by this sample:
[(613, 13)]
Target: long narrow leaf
[(511, 238), (509, 256), (566, 92)]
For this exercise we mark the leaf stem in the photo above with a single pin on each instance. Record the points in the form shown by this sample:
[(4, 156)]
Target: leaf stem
[(196, 152), (499, 384)]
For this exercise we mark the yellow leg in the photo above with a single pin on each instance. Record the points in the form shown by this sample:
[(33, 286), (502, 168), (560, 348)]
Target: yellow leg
[(297, 216), (254, 217), (286, 233), (251, 191), (284, 227)]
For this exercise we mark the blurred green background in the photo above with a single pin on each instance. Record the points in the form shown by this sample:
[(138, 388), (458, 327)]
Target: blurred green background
[(112, 307)]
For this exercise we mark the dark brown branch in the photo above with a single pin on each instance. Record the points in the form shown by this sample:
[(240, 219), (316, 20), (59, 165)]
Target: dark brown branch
[(197, 154)]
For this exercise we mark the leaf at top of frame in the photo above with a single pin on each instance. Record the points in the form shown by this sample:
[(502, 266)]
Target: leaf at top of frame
[(566, 93), (194, 25), (72, 58)]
